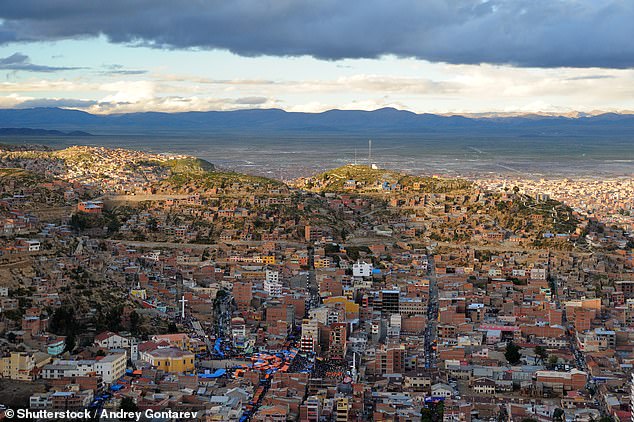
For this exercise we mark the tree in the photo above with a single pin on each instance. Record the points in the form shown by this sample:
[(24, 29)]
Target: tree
[(541, 353), (558, 415), (128, 405), (70, 343), (512, 353), (552, 360), (135, 322)]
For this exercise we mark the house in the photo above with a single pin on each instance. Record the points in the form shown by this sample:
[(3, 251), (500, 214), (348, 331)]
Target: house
[(484, 386), (441, 390), (110, 340)]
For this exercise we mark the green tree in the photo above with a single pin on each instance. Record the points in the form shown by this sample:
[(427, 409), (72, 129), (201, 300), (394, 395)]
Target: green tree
[(128, 405), (70, 343), (552, 360), (541, 353), (135, 322), (512, 353), (558, 415)]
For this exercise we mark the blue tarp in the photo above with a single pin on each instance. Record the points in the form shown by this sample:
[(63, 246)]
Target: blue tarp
[(116, 387), (217, 374), (217, 348)]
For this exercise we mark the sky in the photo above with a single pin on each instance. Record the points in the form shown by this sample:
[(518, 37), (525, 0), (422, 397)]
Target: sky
[(431, 56)]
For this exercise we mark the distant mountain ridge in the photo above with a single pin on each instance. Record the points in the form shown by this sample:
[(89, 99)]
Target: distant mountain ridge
[(23, 131), (275, 121)]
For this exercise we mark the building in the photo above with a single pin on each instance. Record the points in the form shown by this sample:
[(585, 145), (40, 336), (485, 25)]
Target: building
[(310, 335), (243, 294), (441, 390), (390, 301), (390, 360), (337, 344), (310, 410), (23, 366), (272, 285), (90, 207), (342, 409), (110, 340), (572, 380), (484, 386), (312, 233), (170, 359), (111, 367), (362, 269)]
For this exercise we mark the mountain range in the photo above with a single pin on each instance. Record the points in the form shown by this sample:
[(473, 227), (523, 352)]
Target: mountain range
[(274, 121)]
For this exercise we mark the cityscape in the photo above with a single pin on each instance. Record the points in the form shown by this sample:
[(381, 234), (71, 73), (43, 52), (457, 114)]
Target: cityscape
[(286, 211)]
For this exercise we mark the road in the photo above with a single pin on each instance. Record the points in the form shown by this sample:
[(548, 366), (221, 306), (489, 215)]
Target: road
[(579, 358), (176, 245), (432, 317)]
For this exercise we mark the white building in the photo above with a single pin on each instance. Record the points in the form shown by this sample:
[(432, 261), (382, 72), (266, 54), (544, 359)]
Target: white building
[(110, 340), (272, 285), (441, 390), (68, 368), (40, 401), (111, 367), (362, 269), (34, 245)]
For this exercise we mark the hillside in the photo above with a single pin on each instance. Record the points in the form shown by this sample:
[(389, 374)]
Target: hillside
[(361, 178), (117, 170), (20, 177), (203, 181)]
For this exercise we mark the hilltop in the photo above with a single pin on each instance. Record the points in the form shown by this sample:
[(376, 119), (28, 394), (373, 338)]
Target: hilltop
[(123, 171), (361, 178)]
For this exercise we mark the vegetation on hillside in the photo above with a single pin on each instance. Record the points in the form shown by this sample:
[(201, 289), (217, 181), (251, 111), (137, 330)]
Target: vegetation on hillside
[(189, 165), (368, 178), (217, 179)]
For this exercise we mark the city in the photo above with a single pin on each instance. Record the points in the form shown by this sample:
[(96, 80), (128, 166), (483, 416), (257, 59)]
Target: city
[(358, 293), (317, 211)]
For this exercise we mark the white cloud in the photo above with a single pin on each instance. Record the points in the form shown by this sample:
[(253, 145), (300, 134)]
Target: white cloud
[(129, 91), (12, 100)]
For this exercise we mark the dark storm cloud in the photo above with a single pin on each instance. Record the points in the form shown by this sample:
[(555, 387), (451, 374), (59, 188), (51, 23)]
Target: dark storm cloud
[(542, 33), (19, 61)]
